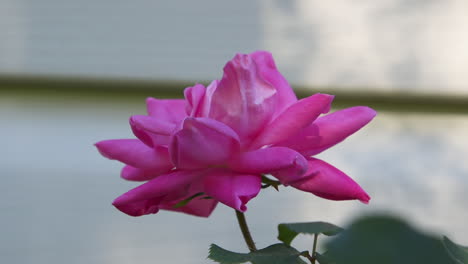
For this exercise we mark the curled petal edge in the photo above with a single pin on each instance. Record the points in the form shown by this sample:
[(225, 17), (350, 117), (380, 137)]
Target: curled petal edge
[(326, 181)]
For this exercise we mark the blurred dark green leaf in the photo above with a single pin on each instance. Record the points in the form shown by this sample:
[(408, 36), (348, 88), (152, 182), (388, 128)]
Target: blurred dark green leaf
[(323, 259), (287, 232), (386, 240), (457, 252), (274, 254)]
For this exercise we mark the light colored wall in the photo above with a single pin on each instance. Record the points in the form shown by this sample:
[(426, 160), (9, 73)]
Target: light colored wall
[(391, 44)]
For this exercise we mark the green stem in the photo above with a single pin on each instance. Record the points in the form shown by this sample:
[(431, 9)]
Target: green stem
[(245, 231), (314, 248)]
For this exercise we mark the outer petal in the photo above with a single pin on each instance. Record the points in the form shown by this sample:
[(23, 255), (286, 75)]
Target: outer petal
[(133, 152), (232, 189), (249, 95), (283, 163), (203, 142), (152, 131), (330, 130), (294, 118), (148, 197), (135, 174), (328, 182), (169, 110), (195, 96)]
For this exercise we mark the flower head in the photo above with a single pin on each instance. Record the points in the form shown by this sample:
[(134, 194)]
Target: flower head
[(215, 145)]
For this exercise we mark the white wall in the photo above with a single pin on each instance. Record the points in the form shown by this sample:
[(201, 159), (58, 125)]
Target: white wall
[(390, 44)]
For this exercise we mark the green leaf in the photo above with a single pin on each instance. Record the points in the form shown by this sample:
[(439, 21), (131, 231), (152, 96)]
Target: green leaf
[(274, 254), (323, 259), (457, 252), (224, 256), (385, 240), (287, 232)]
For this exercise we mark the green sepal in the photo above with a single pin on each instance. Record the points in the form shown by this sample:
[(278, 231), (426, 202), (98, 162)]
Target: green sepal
[(274, 254), (187, 200), (287, 232), (267, 182)]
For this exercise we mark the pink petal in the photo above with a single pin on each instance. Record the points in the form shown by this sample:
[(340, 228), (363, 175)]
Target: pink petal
[(231, 188), (140, 207), (203, 142), (152, 131), (133, 152), (294, 118), (270, 74), (135, 174), (148, 197), (210, 90), (283, 163), (328, 182), (169, 110), (250, 93), (330, 130), (195, 96)]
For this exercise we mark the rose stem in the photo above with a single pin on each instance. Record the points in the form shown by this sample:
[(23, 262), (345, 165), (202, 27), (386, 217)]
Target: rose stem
[(314, 248), (245, 231)]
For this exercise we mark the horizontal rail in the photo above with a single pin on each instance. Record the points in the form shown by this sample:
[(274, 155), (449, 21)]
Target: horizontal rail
[(134, 89)]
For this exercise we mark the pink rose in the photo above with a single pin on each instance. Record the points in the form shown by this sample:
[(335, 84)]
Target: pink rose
[(220, 140)]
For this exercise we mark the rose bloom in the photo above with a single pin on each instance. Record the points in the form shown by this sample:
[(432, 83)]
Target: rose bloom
[(215, 145)]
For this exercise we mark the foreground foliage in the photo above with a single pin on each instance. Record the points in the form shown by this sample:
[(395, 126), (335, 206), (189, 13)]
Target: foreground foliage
[(372, 239)]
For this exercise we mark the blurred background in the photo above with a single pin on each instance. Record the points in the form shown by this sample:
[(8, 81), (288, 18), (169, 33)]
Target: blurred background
[(72, 72)]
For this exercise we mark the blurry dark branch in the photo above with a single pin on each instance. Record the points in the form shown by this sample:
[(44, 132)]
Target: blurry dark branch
[(83, 88)]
